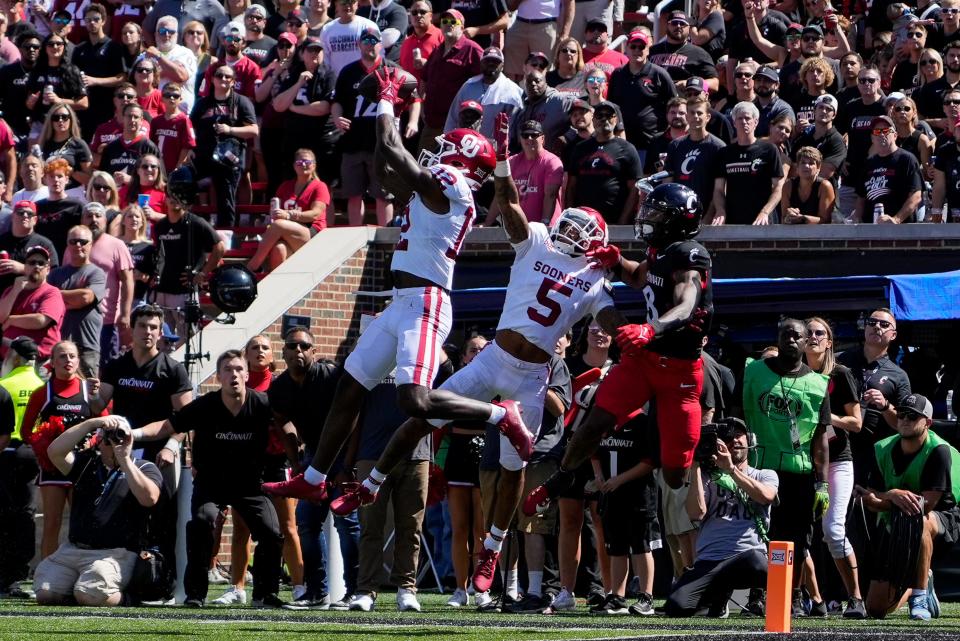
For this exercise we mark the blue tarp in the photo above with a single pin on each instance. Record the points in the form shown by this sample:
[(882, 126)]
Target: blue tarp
[(912, 297)]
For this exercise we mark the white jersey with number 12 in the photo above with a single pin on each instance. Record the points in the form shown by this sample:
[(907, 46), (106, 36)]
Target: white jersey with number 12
[(549, 291), (430, 242)]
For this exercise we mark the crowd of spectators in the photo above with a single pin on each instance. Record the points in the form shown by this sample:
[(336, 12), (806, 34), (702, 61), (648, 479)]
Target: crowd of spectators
[(773, 113)]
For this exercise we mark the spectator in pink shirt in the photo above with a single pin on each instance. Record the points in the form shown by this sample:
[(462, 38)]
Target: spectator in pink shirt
[(111, 254), (538, 175)]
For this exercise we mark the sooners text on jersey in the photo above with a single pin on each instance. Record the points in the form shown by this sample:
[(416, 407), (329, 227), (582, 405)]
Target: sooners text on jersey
[(549, 291)]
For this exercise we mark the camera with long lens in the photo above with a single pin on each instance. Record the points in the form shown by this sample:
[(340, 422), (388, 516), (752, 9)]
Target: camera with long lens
[(116, 436)]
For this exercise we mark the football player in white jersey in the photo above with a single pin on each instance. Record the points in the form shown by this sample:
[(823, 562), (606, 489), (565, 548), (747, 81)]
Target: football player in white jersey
[(554, 282), (409, 334)]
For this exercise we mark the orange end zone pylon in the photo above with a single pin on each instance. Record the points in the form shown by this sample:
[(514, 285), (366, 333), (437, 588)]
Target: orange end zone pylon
[(779, 586)]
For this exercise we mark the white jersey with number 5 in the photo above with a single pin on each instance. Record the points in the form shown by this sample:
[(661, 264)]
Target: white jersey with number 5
[(429, 242), (549, 291)]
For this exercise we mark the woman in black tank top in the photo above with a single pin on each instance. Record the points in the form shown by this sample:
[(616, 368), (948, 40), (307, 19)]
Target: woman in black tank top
[(911, 138), (808, 198)]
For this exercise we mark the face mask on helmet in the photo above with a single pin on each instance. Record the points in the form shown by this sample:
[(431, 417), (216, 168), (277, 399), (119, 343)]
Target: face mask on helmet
[(464, 155), (647, 223), (576, 232)]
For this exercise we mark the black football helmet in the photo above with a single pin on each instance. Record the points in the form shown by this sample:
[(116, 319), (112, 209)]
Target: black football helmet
[(670, 213), (233, 288), (182, 185)]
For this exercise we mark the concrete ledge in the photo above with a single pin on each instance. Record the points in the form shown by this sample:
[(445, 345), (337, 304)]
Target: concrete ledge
[(282, 289), (747, 233)]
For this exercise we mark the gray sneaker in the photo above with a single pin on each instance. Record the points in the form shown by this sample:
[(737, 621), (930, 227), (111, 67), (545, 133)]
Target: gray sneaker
[(854, 609), (933, 603), (644, 605), (343, 604)]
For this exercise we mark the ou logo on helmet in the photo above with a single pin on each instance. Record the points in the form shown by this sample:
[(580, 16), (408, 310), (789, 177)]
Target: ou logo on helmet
[(469, 146)]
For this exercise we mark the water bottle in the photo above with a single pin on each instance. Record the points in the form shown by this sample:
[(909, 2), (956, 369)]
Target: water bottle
[(274, 204)]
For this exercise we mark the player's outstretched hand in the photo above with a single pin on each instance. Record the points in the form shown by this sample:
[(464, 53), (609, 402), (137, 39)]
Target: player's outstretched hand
[(633, 338), (606, 257), (388, 84), (501, 135)]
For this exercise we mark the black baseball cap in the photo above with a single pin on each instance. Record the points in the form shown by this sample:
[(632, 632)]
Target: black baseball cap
[(25, 347), (596, 23), (917, 404)]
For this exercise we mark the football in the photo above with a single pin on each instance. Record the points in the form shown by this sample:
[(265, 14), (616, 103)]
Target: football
[(369, 89)]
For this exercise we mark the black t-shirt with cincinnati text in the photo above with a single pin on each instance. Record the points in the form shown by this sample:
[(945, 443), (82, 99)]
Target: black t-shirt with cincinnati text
[(104, 513), (228, 450), (175, 255), (854, 120), (602, 170), (889, 180), (694, 164), (306, 404), (619, 451), (750, 171), (142, 393), (120, 155), (683, 61), (683, 342)]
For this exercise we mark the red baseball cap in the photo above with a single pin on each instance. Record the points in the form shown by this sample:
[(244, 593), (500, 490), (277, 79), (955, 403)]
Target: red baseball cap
[(25, 204), (640, 35), (456, 14), (471, 104)]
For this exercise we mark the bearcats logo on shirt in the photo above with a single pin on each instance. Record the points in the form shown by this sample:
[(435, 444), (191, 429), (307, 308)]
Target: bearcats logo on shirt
[(877, 185)]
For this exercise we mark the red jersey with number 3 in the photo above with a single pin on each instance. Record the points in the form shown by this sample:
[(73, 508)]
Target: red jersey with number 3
[(549, 291), (429, 242)]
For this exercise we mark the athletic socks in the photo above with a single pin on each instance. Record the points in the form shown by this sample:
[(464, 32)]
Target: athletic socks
[(535, 581), (494, 540), (314, 477), (496, 414), (375, 480)]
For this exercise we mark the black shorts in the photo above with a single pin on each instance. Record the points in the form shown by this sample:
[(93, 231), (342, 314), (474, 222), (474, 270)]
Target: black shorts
[(627, 531), (582, 476), (791, 518), (275, 468), (462, 467), (53, 479), (948, 526)]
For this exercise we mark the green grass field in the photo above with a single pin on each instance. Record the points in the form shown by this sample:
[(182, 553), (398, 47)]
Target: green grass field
[(26, 620)]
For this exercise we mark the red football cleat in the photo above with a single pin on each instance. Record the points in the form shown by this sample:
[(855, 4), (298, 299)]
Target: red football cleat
[(513, 428), (351, 499), (483, 575), (298, 488), (537, 502)]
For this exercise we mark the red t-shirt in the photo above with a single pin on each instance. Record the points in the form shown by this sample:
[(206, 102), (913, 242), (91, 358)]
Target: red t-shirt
[(432, 39), (46, 300), (314, 191), (246, 70), (172, 136), (158, 199), (110, 131), (608, 60), (152, 103)]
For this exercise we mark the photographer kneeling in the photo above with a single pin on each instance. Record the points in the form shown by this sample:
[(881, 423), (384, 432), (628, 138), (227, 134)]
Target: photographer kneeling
[(732, 502), (112, 497)]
